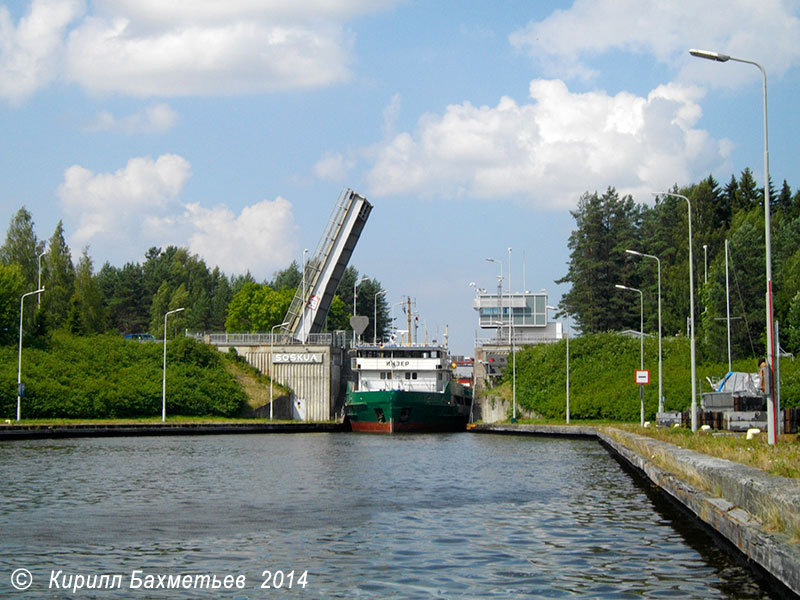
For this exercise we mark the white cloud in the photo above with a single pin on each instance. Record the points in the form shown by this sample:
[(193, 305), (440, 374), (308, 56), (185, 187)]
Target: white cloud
[(259, 239), (208, 47), (30, 53), (761, 30), (121, 214), (334, 166), (550, 151), (156, 118), (112, 207), (224, 59), (149, 48)]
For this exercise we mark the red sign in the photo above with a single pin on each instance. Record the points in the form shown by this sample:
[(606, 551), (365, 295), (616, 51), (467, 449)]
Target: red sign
[(642, 376)]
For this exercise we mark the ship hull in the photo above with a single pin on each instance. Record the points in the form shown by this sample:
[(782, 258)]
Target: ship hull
[(397, 411)]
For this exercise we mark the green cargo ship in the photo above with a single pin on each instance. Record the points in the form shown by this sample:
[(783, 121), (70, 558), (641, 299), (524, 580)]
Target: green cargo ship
[(406, 388)]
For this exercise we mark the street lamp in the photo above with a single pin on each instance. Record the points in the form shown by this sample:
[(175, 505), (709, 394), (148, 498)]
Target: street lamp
[(303, 335), (691, 309), (20, 387), (641, 343), (772, 425), (40, 276), (566, 314), (499, 295), (660, 384), (511, 340), (164, 376), (375, 317), (705, 263), (272, 363)]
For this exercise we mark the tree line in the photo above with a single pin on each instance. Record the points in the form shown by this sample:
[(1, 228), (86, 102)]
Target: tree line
[(607, 225), (134, 298)]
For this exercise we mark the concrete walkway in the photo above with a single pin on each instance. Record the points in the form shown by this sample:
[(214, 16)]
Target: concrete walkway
[(27, 432)]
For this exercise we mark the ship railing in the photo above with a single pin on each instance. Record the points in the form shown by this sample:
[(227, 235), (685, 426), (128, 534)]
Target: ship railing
[(517, 340)]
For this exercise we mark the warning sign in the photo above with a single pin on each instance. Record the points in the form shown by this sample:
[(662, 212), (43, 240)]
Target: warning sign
[(642, 376)]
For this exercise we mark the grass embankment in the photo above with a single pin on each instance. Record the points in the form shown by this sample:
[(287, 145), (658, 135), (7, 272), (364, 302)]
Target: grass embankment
[(602, 378), (107, 377)]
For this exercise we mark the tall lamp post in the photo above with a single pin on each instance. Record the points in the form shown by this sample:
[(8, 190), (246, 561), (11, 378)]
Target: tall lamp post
[(39, 260), (691, 309), (20, 388), (511, 342), (641, 344), (772, 425), (305, 304), (272, 362), (660, 379), (566, 335), (375, 317), (164, 375), (499, 296)]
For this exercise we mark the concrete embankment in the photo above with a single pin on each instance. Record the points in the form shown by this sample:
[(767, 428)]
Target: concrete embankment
[(756, 512), (20, 432)]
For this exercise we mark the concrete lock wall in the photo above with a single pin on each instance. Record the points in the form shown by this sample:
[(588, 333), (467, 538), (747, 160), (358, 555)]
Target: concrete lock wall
[(312, 372)]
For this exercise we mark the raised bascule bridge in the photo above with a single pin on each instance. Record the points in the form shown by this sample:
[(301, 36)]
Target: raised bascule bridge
[(301, 357)]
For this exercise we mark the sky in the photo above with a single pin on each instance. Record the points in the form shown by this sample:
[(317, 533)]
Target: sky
[(231, 128)]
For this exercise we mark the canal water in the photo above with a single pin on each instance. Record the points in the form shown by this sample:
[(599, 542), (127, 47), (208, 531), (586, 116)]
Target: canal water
[(345, 516)]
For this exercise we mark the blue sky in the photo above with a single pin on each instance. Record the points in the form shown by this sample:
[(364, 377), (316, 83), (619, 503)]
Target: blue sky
[(231, 127)]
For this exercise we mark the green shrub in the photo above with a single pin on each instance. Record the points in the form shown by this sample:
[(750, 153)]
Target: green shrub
[(106, 376), (602, 377)]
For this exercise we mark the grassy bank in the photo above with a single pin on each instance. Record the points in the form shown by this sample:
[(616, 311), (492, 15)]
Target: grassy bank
[(107, 377), (602, 384)]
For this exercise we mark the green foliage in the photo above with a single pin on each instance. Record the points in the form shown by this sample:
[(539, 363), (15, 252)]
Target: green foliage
[(105, 376), (22, 248), (257, 308), (12, 286), (58, 278), (602, 377)]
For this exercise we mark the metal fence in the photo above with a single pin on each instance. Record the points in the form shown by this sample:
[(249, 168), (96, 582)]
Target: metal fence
[(337, 339)]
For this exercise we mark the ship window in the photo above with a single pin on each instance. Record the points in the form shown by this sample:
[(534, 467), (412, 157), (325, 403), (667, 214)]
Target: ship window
[(414, 375), (408, 375), (439, 376)]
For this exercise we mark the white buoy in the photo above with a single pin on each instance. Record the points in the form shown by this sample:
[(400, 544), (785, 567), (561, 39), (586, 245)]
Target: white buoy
[(705, 427), (647, 423), (751, 433)]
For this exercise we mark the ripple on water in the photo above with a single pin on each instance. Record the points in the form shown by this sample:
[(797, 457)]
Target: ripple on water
[(430, 516)]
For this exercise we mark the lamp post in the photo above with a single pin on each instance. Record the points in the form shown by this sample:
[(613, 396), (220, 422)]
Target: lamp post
[(511, 342), (691, 310), (375, 317), (705, 263), (566, 314), (772, 425), (305, 251), (39, 282), (164, 375), (272, 362), (499, 296), (20, 389), (641, 344), (660, 379)]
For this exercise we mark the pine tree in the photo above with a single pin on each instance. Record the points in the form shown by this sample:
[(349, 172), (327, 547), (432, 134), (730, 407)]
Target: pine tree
[(22, 248), (58, 278)]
